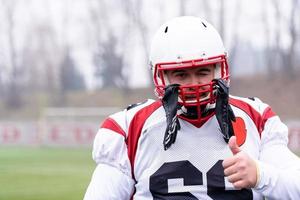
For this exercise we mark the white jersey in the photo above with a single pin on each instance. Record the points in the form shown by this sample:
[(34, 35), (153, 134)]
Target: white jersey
[(132, 163)]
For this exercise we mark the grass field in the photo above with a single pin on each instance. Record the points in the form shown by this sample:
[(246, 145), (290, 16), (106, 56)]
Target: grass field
[(44, 173)]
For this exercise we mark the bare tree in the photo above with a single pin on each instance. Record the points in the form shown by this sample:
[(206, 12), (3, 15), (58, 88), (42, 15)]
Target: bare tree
[(222, 19), (13, 92), (70, 77), (1, 81), (67, 76), (235, 41), (267, 37), (282, 59), (41, 56), (289, 58), (277, 51), (110, 38), (135, 13), (111, 64)]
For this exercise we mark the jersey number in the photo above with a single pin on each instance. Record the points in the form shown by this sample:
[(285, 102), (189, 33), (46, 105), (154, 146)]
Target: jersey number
[(193, 177)]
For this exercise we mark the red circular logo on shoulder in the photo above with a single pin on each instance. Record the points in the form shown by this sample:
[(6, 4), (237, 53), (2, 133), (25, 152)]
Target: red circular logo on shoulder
[(240, 130)]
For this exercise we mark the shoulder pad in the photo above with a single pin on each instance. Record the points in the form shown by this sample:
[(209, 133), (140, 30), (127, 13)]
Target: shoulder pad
[(251, 98), (135, 105)]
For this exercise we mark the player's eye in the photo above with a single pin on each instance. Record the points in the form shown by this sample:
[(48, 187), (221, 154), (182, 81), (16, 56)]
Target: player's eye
[(180, 75), (203, 72)]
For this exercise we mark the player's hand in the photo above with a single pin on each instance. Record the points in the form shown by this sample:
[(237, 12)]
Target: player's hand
[(240, 169)]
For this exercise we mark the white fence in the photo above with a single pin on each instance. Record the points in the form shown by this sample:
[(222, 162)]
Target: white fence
[(57, 127), (50, 133)]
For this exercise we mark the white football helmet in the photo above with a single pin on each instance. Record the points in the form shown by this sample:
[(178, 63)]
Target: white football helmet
[(187, 42)]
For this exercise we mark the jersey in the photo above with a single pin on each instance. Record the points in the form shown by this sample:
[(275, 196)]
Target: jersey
[(132, 163)]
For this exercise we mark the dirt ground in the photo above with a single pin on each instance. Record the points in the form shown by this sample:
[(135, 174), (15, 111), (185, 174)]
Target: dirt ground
[(281, 93)]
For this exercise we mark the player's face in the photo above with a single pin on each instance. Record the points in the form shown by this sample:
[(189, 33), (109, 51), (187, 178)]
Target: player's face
[(192, 76)]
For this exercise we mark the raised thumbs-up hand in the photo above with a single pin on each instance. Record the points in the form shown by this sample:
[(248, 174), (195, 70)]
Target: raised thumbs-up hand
[(240, 169)]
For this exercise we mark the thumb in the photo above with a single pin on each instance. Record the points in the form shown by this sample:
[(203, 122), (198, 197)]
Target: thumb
[(233, 145)]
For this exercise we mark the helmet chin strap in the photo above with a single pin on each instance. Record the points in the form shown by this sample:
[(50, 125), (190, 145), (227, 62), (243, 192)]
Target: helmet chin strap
[(224, 113), (170, 104)]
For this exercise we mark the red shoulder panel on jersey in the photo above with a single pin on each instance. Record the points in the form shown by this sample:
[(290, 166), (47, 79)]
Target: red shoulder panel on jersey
[(258, 119), (135, 129), (111, 124), (268, 113)]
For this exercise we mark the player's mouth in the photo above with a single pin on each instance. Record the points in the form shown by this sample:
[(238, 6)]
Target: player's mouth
[(193, 97)]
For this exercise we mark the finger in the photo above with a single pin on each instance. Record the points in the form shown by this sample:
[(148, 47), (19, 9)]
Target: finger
[(239, 184), (234, 178), (228, 162), (230, 170), (233, 145)]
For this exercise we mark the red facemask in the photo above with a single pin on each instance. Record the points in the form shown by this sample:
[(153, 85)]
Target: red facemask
[(196, 99)]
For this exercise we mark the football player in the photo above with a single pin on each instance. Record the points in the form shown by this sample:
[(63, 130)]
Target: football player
[(196, 141)]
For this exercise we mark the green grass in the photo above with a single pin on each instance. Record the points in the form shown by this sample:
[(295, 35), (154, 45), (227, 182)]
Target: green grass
[(44, 173)]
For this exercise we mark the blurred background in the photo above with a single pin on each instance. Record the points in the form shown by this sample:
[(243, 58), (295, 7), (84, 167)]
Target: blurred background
[(66, 64)]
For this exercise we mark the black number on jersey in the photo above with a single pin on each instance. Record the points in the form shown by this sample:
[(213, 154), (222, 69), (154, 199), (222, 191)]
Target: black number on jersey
[(193, 177)]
